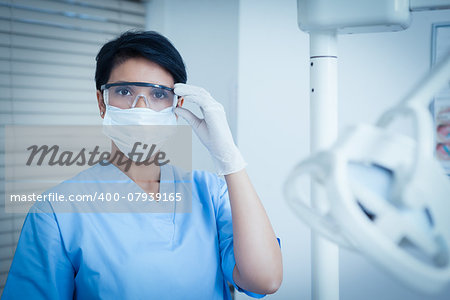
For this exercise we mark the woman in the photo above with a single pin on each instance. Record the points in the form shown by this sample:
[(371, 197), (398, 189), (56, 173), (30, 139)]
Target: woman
[(226, 236)]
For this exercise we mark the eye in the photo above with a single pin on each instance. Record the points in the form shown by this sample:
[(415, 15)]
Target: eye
[(123, 91), (159, 94)]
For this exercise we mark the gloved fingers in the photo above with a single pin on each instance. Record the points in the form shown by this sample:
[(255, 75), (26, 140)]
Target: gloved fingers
[(186, 114), (182, 89), (197, 95)]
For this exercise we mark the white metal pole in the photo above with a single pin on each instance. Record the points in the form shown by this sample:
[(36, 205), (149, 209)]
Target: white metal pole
[(323, 132)]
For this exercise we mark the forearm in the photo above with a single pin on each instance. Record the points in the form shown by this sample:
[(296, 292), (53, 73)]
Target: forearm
[(258, 255)]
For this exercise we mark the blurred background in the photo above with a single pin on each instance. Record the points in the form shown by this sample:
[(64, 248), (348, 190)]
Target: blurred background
[(251, 56)]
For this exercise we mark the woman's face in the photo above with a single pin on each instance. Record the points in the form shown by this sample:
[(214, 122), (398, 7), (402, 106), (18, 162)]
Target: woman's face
[(138, 70)]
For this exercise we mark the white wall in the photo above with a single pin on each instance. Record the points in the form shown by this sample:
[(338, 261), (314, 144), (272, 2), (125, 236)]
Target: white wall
[(376, 70), (273, 122), (205, 32)]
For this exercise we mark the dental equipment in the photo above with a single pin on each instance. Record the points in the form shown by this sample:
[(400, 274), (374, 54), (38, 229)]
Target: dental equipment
[(323, 20)]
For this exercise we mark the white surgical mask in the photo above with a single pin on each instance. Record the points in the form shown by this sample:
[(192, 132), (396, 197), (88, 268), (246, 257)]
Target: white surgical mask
[(125, 127)]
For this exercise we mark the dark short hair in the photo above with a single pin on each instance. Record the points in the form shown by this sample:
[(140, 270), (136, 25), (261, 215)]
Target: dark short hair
[(136, 43)]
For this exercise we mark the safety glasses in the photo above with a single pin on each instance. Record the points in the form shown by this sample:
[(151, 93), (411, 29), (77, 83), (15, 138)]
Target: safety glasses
[(127, 95)]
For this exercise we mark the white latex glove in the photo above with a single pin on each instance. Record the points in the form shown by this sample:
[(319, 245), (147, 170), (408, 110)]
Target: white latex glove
[(213, 130)]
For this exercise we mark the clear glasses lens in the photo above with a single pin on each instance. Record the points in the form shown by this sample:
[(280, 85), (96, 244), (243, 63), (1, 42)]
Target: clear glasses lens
[(129, 96)]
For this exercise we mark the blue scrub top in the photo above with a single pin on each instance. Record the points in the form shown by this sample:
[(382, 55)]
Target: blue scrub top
[(127, 255)]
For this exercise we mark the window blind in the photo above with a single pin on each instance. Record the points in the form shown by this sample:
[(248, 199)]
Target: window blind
[(47, 68)]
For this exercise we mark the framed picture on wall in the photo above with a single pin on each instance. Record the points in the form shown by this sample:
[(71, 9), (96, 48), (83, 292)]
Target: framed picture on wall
[(440, 46)]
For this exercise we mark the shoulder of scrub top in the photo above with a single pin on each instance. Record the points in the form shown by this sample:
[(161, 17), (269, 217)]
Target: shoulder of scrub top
[(205, 182), (212, 184), (93, 174)]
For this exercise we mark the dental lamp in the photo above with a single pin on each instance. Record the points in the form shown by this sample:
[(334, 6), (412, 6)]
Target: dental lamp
[(407, 220)]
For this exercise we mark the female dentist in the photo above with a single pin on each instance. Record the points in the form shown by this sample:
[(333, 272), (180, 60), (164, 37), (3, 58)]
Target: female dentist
[(227, 236)]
